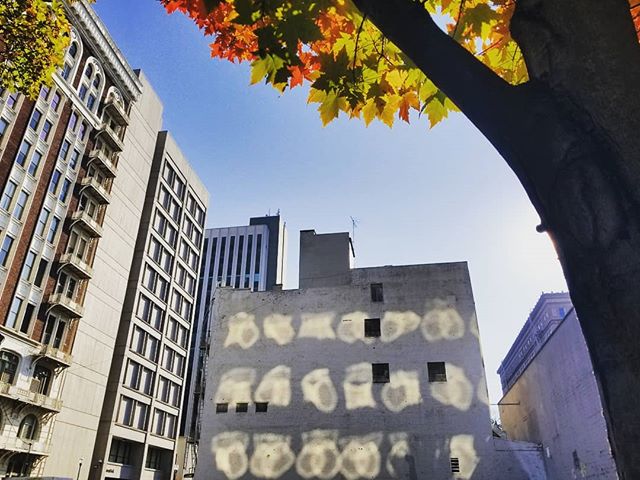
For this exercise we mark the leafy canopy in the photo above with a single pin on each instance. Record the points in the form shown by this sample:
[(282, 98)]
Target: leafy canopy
[(350, 65), (33, 37)]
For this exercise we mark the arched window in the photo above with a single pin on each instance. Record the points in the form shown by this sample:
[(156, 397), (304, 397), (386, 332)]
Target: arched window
[(91, 86), (41, 380), (8, 366), (72, 57), (28, 428)]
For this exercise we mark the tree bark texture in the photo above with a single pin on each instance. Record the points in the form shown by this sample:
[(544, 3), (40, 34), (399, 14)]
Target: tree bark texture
[(571, 135)]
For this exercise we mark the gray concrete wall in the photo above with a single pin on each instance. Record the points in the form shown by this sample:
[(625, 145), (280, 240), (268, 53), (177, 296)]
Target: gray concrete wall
[(304, 352), (325, 259), (560, 408)]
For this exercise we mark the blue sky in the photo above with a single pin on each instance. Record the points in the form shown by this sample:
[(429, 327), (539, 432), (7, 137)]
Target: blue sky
[(419, 195)]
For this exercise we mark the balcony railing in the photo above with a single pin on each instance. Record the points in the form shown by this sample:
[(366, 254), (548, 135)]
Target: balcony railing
[(116, 110), (106, 162), (70, 307), (15, 444), (91, 226), (110, 136), (78, 266), (95, 188), (55, 355), (32, 398)]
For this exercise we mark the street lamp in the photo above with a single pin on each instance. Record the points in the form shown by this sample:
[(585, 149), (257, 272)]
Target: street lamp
[(79, 467)]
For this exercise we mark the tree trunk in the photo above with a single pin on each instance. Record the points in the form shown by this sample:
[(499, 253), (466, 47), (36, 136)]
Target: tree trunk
[(571, 136)]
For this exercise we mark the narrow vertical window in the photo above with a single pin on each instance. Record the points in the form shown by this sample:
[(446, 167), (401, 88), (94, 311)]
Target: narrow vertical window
[(3, 126), (13, 312), (21, 203), (5, 249), (46, 128), (7, 196), (55, 178), (23, 152), (35, 163), (247, 265), (377, 292), (256, 276), (35, 119)]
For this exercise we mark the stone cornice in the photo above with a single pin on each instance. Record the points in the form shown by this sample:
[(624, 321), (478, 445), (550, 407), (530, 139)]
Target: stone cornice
[(96, 37)]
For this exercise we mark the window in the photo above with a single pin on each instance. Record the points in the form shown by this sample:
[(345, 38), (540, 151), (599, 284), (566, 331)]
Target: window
[(26, 319), (380, 372), (41, 380), (55, 179), (164, 424), (46, 128), (11, 100), (55, 101), (7, 196), (35, 162), (150, 312), (6, 248), (120, 452), (132, 413), (53, 229), (372, 327), (64, 149), (437, 371), (42, 269), (66, 71), (222, 407), (3, 126), (64, 191), (73, 161), (21, 203), (23, 152), (242, 407), (376, 292), (35, 119), (138, 377), (44, 91), (28, 427), (73, 120), (261, 407), (12, 316), (455, 464), (8, 366), (54, 331), (28, 265), (154, 458), (83, 92), (82, 132)]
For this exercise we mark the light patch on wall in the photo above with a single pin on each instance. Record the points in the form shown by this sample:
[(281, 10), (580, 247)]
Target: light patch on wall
[(361, 456), (357, 387), (351, 327), (396, 324), (318, 389), (272, 455), (402, 391), (442, 322), (230, 453), (457, 391), (243, 330), (319, 456), (398, 455), (235, 386), (482, 392), (278, 327), (275, 387), (473, 325), (461, 447), (317, 325)]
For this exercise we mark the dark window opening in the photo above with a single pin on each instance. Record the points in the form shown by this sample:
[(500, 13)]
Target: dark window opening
[(455, 464), (380, 372), (437, 372), (372, 327), (242, 407), (261, 407), (222, 407), (376, 292)]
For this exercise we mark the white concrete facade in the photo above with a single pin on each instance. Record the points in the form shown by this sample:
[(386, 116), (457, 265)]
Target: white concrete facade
[(337, 381)]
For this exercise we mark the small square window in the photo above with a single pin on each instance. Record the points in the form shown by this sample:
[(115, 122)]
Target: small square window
[(242, 407), (222, 407), (372, 327), (380, 372), (455, 464), (376, 292), (261, 407), (437, 372)]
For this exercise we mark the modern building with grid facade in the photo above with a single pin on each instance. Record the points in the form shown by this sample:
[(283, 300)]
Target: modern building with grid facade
[(142, 408)]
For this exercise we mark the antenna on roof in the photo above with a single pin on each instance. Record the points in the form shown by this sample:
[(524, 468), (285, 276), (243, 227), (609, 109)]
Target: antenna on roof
[(354, 224)]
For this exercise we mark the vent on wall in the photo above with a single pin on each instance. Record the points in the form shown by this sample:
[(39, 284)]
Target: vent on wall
[(455, 464)]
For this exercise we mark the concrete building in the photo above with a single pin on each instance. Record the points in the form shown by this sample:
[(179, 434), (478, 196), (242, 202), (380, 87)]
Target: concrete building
[(143, 403), (553, 399), (250, 257), (361, 373)]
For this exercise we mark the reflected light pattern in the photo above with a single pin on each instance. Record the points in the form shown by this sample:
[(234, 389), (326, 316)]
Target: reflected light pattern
[(230, 453), (243, 331), (397, 459), (272, 455), (319, 456), (317, 325), (402, 391), (361, 456), (278, 327), (357, 387), (351, 328), (461, 446), (396, 324), (275, 387), (235, 386), (318, 389), (442, 322), (457, 391)]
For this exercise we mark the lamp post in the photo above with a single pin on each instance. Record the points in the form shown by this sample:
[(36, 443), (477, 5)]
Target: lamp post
[(26, 466), (79, 467)]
